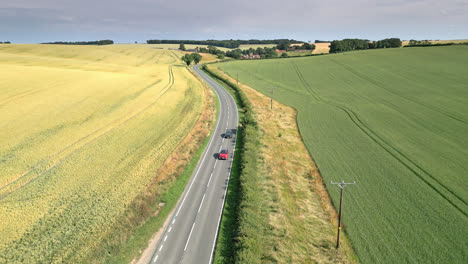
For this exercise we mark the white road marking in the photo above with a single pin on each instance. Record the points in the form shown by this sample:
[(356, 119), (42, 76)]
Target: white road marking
[(209, 180), (196, 174), (156, 258), (215, 164), (161, 248), (173, 221), (190, 235), (201, 204), (165, 238)]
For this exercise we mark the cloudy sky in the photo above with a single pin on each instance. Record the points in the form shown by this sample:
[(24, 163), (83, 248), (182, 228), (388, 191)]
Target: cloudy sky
[(33, 21)]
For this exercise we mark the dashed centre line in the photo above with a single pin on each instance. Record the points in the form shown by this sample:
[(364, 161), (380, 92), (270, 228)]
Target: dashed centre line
[(201, 204), (190, 235)]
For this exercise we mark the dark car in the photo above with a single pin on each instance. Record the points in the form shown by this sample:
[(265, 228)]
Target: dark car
[(223, 154), (228, 134)]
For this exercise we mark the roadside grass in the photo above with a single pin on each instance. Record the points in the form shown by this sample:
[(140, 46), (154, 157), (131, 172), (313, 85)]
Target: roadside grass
[(395, 121), (247, 243), (299, 208)]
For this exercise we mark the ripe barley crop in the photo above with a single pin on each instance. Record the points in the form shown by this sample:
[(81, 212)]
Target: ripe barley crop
[(83, 132)]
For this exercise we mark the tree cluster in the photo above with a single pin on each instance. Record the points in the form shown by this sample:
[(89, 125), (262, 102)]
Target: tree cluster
[(189, 58), (5, 42), (305, 46), (231, 44), (361, 44), (385, 43), (264, 53), (182, 47), (322, 41), (97, 42)]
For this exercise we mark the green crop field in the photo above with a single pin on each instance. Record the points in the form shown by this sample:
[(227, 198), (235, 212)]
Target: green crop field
[(83, 131), (396, 122)]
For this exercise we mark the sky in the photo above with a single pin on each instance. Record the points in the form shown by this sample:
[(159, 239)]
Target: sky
[(127, 21)]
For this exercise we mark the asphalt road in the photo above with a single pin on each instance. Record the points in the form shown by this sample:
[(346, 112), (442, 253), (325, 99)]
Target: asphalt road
[(191, 234)]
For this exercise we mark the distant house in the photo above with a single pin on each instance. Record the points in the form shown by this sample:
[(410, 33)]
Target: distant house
[(280, 51), (250, 57)]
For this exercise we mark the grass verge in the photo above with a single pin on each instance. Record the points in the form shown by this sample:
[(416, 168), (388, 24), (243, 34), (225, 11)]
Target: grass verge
[(297, 217), (245, 218)]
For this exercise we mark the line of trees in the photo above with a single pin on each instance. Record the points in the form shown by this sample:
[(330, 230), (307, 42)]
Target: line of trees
[(5, 42), (361, 44), (427, 43), (264, 53), (322, 41), (97, 42), (231, 44)]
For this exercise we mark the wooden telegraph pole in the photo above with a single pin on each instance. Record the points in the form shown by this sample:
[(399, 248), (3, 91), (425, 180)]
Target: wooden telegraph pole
[(342, 185), (271, 97)]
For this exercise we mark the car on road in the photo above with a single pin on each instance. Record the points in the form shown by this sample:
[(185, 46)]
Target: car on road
[(223, 154), (228, 134)]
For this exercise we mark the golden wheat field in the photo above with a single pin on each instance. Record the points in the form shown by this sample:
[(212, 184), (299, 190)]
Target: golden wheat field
[(83, 130)]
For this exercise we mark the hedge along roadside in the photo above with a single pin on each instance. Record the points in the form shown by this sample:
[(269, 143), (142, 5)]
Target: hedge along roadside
[(247, 243)]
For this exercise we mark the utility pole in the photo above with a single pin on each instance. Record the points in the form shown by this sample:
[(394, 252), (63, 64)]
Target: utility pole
[(342, 185), (271, 97), (237, 79)]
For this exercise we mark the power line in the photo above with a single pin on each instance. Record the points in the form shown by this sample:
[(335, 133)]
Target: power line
[(342, 185)]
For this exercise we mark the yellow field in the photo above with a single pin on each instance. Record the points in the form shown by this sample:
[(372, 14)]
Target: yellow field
[(83, 131)]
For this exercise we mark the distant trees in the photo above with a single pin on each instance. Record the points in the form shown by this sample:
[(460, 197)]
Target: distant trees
[(231, 44), (308, 46), (385, 43), (196, 57), (322, 41), (427, 43), (348, 45), (361, 44), (182, 46), (283, 45), (97, 42), (6, 42), (264, 53), (284, 55), (235, 54), (187, 58)]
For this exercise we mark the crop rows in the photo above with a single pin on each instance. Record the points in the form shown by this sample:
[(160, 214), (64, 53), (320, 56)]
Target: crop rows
[(395, 121), (85, 144)]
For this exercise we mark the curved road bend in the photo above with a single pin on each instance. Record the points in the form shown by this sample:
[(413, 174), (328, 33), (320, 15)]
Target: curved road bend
[(191, 234)]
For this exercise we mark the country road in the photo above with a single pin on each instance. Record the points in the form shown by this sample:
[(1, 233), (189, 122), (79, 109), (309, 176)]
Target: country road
[(191, 234)]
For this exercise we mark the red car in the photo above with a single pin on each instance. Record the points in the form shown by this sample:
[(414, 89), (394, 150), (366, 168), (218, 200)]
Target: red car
[(224, 154)]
